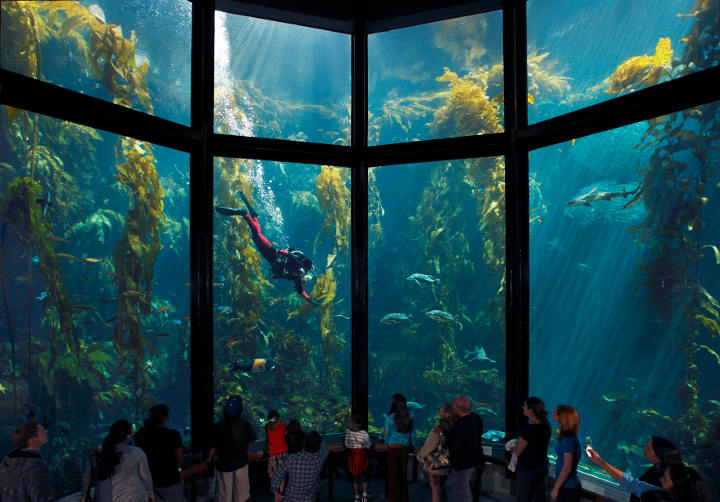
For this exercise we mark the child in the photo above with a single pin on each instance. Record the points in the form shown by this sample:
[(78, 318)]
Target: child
[(358, 442), (275, 444)]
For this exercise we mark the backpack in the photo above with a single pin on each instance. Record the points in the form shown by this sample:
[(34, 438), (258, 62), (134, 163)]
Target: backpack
[(439, 458)]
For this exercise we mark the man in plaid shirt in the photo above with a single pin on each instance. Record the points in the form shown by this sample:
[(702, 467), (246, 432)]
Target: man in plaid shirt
[(302, 469)]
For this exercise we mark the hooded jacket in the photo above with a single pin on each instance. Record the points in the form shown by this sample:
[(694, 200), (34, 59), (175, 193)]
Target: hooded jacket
[(24, 477)]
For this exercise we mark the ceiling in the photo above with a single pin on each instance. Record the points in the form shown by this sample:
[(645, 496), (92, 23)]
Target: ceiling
[(368, 16)]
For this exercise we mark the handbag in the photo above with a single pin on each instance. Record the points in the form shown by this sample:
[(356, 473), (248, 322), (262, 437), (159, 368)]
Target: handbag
[(438, 458)]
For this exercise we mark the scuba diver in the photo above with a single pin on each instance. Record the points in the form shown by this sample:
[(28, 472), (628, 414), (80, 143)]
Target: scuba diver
[(289, 263)]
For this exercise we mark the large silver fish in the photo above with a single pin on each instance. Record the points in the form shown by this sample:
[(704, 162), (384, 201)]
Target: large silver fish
[(478, 354), (418, 278), (442, 316), (395, 318)]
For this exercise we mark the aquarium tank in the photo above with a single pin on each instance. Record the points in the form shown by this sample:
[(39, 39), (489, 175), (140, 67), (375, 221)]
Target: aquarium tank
[(99, 240)]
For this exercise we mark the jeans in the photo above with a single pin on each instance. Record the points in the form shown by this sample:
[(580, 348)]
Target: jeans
[(531, 485), (570, 494), (464, 485)]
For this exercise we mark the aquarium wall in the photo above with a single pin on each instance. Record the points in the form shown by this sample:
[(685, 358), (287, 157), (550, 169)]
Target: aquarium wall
[(272, 346), (277, 80), (93, 277), (99, 241), (124, 51), (580, 54), (624, 280), (436, 311), (437, 80)]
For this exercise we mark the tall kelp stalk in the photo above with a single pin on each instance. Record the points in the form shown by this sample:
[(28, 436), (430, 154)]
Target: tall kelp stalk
[(677, 189), (20, 210)]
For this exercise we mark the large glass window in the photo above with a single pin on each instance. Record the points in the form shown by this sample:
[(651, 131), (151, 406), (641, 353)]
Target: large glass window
[(273, 347), (276, 80), (436, 308), (581, 53), (133, 54), (625, 284), (94, 237), (437, 80)]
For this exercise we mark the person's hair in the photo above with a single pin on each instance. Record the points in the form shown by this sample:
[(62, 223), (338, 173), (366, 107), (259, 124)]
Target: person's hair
[(107, 458), (356, 418), (569, 421), (666, 451), (157, 415), (273, 414), (463, 404), (537, 406), (293, 426), (23, 433), (295, 440), (397, 398), (313, 442), (403, 420), (447, 418), (688, 486)]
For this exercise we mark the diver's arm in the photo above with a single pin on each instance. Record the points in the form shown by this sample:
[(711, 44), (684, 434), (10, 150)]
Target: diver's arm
[(301, 292)]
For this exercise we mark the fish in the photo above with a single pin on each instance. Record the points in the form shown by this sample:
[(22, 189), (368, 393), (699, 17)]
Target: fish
[(74, 308), (231, 343), (412, 405), (92, 260), (111, 320), (494, 436), (442, 316), (162, 335), (478, 354), (186, 318), (3, 390), (257, 364), (58, 239), (36, 259), (66, 256), (42, 296), (584, 267), (106, 300), (44, 201), (133, 293), (395, 318), (164, 309), (218, 284), (222, 307), (419, 278), (113, 274), (593, 195), (225, 310)]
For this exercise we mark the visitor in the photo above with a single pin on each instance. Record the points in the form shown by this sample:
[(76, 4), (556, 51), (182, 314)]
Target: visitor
[(163, 448), (24, 477), (661, 453), (531, 451), (119, 472), (300, 470), (399, 441), (232, 438), (567, 486), (466, 453), (434, 455), (357, 441)]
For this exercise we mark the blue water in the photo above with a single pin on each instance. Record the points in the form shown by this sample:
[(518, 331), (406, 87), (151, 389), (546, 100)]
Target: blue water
[(597, 341)]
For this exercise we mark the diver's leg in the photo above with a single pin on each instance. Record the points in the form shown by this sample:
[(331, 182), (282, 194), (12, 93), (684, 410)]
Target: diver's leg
[(253, 213), (230, 211), (264, 246)]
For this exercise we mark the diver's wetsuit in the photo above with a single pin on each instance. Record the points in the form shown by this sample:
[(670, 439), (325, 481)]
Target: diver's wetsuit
[(283, 262)]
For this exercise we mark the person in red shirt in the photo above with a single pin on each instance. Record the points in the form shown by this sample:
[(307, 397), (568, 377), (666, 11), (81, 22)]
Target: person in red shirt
[(275, 444)]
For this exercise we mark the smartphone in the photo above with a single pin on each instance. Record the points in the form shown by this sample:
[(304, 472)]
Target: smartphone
[(588, 445)]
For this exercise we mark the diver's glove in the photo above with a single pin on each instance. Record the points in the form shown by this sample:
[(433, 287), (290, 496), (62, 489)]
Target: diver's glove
[(229, 211)]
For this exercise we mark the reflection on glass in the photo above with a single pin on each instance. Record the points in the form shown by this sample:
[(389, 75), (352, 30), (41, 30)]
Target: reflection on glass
[(276, 80), (625, 284), (583, 53), (94, 250), (274, 347), (437, 80), (114, 50), (436, 311)]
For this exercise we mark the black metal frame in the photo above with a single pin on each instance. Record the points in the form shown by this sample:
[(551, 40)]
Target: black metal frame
[(203, 145)]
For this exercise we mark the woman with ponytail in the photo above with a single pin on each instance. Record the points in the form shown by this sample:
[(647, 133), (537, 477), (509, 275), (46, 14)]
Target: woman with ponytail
[(531, 449), (120, 472), (399, 441)]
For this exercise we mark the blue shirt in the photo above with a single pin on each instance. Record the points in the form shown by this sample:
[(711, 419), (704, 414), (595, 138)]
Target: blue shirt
[(568, 444), (392, 436)]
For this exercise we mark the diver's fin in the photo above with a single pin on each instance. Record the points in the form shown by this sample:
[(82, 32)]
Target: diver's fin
[(253, 213), (229, 211)]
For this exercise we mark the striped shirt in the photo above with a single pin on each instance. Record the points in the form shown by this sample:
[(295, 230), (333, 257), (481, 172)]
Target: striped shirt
[(357, 439)]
